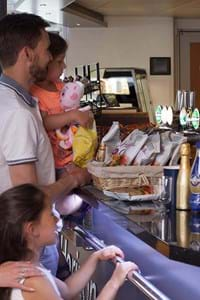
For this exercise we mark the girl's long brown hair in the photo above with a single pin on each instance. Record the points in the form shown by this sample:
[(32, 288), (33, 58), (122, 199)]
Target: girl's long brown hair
[(18, 205)]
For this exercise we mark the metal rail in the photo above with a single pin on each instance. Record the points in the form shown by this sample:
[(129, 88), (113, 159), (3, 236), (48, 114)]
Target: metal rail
[(136, 278)]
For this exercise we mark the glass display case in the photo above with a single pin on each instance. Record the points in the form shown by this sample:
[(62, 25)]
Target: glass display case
[(127, 88), (124, 90)]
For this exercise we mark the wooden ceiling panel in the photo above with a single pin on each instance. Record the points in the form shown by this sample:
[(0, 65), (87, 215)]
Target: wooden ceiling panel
[(179, 8)]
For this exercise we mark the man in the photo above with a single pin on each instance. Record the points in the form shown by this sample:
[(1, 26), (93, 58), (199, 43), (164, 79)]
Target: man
[(25, 151)]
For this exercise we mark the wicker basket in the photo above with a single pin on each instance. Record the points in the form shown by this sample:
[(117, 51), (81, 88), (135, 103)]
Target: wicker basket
[(108, 178), (112, 183)]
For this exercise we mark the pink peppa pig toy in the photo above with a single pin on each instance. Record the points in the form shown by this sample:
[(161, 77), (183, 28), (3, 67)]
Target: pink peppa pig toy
[(82, 141), (71, 95)]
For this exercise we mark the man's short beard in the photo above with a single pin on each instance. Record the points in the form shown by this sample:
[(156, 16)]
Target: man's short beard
[(38, 74)]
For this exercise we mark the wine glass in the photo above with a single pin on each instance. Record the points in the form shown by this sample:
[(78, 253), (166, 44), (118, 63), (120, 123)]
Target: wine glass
[(163, 190)]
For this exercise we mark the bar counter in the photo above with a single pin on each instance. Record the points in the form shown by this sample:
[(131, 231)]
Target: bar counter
[(156, 243)]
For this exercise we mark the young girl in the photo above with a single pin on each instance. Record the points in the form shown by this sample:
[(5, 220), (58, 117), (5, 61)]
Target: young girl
[(27, 224), (48, 94), (47, 91)]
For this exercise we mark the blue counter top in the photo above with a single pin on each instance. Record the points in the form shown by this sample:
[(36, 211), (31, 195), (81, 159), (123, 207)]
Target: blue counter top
[(175, 234), (177, 280)]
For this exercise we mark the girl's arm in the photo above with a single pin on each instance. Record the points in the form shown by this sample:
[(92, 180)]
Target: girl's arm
[(55, 121), (78, 280), (119, 275)]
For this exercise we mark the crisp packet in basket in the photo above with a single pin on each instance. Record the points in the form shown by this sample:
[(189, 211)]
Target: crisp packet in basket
[(123, 177)]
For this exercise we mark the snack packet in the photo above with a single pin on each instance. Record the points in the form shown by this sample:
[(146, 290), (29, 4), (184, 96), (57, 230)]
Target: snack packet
[(148, 152), (177, 140), (166, 149), (111, 141), (131, 145), (170, 143)]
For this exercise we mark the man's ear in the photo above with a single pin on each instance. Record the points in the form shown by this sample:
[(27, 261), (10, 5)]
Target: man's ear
[(31, 230), (28, 53)]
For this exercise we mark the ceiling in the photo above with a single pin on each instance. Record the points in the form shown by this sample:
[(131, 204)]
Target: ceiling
[(91, 13), (176, 8)]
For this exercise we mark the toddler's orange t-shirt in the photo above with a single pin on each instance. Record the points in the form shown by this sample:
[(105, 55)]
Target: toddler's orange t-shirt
[(49, 102)]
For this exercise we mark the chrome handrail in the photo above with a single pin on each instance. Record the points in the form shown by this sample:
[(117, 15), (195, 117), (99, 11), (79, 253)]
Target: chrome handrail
[(136, 278)]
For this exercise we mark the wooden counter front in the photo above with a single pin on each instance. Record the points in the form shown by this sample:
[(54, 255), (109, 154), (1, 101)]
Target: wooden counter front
[(124, 116)]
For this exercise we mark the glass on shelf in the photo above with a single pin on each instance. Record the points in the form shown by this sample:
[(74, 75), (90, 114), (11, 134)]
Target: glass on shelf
[(163, 189)]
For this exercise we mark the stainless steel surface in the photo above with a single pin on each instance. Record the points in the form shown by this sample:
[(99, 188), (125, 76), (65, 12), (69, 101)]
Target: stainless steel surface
[(136, 278)]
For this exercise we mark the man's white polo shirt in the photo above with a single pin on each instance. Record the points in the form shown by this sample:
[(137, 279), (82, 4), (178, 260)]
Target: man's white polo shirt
[(22, 136)]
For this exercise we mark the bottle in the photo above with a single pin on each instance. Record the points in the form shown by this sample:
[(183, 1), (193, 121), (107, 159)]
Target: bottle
[(195, 181), (183, 180), (100, 156), (182, 228)]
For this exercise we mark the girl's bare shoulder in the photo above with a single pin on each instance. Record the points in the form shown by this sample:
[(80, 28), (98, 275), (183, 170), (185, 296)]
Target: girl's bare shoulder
[(43, 287)]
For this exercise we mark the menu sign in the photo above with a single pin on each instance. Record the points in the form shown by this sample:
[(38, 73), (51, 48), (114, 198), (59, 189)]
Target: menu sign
[(117, 85)]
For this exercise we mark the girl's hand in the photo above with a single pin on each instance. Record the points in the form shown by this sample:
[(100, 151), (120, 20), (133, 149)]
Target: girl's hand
[(109, 252), (11, 274), (121, 271), (84, 118)]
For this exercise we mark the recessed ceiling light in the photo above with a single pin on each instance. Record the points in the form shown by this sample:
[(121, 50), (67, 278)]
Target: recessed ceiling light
[(78, 24)]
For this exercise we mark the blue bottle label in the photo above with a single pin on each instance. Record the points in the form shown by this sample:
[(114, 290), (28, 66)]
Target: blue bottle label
[(195, 174)]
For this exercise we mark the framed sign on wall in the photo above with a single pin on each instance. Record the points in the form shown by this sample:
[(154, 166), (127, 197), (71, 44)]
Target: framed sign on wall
[(160, 66)]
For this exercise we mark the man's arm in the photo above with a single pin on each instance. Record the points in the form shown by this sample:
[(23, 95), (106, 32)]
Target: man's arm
[(23, 173), (12, 270), (26, 173)]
